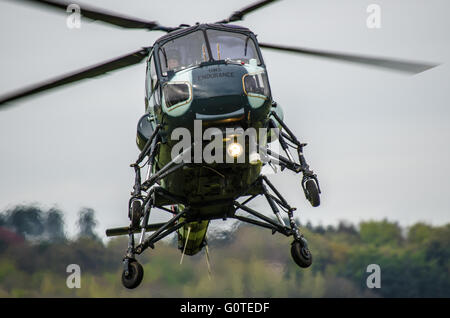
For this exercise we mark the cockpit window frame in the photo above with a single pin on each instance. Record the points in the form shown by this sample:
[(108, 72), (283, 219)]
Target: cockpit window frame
[(159, 44), (160, 48), (248, 36)]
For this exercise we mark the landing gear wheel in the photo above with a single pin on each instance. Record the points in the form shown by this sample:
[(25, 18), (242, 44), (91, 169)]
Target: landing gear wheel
[(312, 192), (136, 213), (135, 275), (301, 254)]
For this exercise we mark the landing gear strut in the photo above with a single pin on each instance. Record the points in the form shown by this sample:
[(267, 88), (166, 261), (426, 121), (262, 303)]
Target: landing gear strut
[(147, 196)]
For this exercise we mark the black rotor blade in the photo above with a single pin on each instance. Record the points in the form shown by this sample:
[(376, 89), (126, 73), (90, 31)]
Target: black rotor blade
[(239, 15), (89, 72), (388, 63), (103, 15)]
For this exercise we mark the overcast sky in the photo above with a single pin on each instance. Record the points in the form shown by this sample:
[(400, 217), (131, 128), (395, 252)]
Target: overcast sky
[(378, 140)]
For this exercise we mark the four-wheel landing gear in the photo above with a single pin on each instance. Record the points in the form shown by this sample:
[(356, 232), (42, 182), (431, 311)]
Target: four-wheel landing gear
[(148, 195)]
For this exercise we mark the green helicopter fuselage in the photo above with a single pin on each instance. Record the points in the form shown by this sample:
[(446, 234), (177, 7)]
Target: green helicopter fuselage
[(214, 74)]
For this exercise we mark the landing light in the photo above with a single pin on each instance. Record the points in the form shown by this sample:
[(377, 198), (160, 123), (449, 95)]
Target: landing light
[(234, 149)]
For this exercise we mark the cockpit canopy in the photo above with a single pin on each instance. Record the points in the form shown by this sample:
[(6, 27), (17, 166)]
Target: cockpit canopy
[(205, 45)]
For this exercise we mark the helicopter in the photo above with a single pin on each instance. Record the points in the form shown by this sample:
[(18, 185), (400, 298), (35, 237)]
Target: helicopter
[(210, 81)]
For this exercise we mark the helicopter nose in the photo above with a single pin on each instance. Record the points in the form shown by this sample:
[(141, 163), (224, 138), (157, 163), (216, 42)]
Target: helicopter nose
[(218, 90)]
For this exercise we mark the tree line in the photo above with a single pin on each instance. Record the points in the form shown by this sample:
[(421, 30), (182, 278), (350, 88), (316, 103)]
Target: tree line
[(249, 262)]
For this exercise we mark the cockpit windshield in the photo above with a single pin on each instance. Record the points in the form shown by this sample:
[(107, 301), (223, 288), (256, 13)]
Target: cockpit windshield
[(183, 52), (191, 49), (231, 45)]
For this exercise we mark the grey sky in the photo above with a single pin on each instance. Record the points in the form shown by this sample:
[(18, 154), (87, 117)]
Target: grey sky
[(378, 140)]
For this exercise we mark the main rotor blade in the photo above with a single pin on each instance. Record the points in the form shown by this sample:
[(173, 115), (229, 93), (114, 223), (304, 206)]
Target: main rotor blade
[(388, 63), (89, 72), (239, 15), (104, 15)]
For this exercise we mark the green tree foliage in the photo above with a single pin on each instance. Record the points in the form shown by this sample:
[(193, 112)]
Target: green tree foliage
[(55, 225), (248, 263), (34, 222), (380, 233), (26, 220), (87, 223), (420, 233)]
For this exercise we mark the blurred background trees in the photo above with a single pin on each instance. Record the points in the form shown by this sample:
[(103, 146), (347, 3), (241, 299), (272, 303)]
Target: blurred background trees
[(246, 262)]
